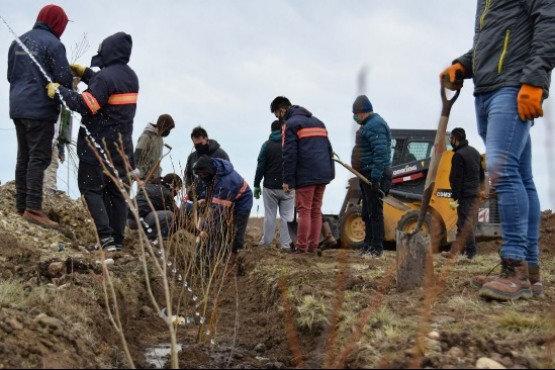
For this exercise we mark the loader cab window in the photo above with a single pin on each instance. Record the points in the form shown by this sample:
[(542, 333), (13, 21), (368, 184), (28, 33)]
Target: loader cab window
[(397, 146), (417, 150)]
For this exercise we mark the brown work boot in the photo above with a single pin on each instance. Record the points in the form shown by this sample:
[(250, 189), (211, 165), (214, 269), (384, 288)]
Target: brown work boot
[(512, 284), (479, 281), (535, 280), (38, 217)]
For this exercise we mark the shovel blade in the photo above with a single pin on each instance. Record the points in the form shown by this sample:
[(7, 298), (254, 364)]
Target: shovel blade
[(414, 260)]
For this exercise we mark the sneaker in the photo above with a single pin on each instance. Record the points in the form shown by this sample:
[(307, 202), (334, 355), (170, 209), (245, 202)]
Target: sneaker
[(512, 284), (447, 255), (39, 217), (285, 247), (108, 245), (376, 254)]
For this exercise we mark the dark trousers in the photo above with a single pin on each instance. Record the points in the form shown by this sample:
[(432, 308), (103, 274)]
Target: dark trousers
[(105, 201), (34, 153), (372, 215), (467, 211), (240, 221)]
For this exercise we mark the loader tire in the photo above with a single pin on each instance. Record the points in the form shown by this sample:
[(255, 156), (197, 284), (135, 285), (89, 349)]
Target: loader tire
[(352, 228), (430, 226)]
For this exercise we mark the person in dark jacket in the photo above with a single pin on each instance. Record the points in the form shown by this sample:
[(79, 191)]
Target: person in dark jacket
[(203, 146), (510, 63), (161, 193), (33, 113), (371, 157), (107, 108), (466, 179), (150, 145), (270, 168), (307, 167), (228, 195)]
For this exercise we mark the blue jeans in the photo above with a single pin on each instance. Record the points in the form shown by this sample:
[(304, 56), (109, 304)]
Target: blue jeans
[(509, 163)]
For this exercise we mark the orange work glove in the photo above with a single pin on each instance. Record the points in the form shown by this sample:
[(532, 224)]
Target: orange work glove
[(452, 77), (529, 101)]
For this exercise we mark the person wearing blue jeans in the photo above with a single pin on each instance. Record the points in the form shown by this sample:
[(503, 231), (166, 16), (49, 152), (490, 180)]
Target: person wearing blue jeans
[(510, 63)]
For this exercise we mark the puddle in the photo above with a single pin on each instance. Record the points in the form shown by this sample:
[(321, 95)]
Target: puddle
[(159, 355)]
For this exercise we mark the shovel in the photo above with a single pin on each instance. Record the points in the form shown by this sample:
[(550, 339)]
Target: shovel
[(157, 164), (336, 158), (414, 255)]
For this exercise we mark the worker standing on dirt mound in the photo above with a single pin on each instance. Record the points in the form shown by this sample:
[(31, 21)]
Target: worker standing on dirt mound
[(371, 157), (228, 194), (466, 179), (203, 146), (307, 167), (511, 63), (270, 167), (107, 108), (149, 147), (33, 113)]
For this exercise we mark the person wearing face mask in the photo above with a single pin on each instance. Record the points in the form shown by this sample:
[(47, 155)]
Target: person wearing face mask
[(307, 167), (228, 195), (371, 157), (107, 108), (203, 146), (150, 145), (33, 113), (466, 179)]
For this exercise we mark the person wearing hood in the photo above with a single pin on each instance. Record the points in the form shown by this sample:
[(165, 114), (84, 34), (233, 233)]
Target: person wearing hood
[(270, 167), (148, 151), (33, 113), (107, 108), (371, 156), (203, 146), (307, 167), (227, 194)]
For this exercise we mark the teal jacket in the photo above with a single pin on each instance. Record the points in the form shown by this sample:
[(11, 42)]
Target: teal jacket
[(372, 152)]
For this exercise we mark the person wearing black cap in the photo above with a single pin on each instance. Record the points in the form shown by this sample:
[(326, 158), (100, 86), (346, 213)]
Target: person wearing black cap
[(228, 194), (33, 113), (148, 151), (466, 179), (307, 167), (371, 157)]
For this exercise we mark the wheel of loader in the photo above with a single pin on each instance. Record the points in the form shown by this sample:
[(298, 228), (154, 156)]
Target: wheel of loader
[(408, 223), (352, 228)]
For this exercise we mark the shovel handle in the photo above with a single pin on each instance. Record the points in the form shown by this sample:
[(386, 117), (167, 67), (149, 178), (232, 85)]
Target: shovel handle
[(447, 104)]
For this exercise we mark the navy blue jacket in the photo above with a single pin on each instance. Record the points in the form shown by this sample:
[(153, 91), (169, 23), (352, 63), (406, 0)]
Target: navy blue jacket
[(28, 97), (229, 189), (270, 163), (372, 152), (307, 151), (108, 105)]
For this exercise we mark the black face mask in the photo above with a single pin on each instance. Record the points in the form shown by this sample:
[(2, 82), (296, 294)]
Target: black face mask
[(202, 148)]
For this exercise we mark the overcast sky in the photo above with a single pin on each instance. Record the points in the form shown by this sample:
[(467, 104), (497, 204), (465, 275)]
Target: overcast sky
[(220, 63)]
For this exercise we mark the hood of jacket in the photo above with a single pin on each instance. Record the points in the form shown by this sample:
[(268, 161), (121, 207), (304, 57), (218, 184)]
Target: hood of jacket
[(275, 136), (223, 167), (54, 18), (213, 145), (114, 49), (151, 128), (462, 144)]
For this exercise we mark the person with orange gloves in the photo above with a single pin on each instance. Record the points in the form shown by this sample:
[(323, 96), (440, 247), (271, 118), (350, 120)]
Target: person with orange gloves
[(510, 63)]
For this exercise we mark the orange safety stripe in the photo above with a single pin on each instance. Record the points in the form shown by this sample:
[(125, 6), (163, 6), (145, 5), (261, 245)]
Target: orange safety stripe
[(222, 202), (242, 190), (120, 99), (312, 132), (91, 102)]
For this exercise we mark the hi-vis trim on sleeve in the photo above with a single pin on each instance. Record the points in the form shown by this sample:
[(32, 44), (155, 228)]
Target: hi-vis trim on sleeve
[(312, 132), (242, 190), (91, 102), (121, 99), (222, 202)]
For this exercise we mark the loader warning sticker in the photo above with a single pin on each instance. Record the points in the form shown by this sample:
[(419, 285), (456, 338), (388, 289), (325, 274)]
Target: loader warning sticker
[(444, 193)]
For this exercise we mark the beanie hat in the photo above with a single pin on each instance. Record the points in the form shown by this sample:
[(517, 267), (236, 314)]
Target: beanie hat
[(165, 123), (362, 105), (204, 165), (55, 18), (459, 134)]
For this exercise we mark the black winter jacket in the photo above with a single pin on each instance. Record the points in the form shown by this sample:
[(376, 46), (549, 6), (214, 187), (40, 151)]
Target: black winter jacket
[(467, 173)]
